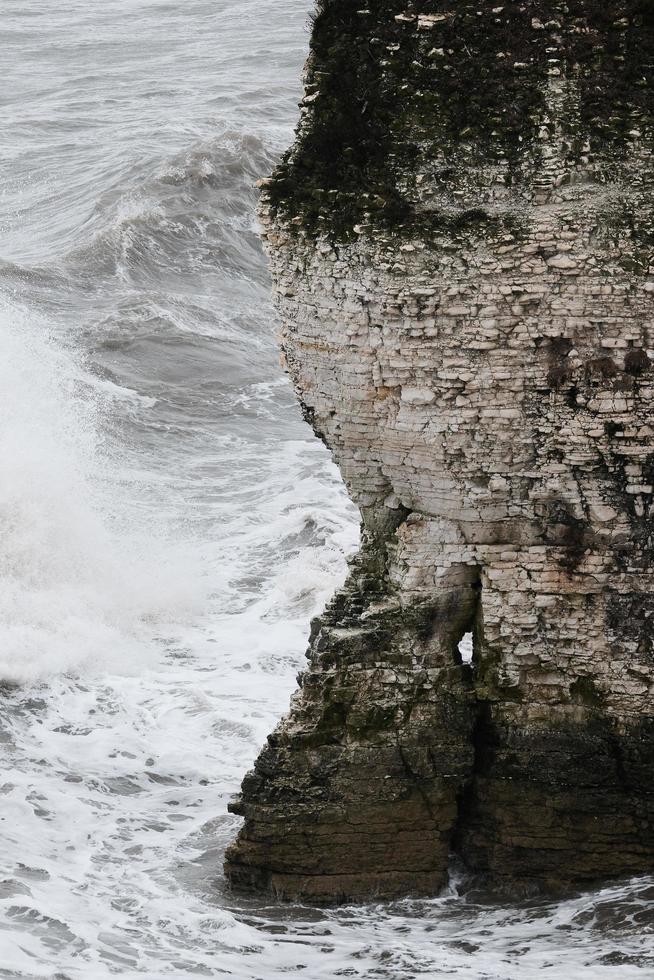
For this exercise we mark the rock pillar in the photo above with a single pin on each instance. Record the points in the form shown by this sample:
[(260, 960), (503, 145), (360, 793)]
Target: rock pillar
[(462, 249)]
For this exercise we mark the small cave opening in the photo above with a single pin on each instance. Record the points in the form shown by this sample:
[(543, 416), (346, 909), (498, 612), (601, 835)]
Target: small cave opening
[(465, 649)]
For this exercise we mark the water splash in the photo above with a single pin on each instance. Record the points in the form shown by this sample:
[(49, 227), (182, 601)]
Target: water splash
[(79, 586)]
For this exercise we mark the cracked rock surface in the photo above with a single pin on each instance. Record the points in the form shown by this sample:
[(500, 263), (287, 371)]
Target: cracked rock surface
[(461, 242)]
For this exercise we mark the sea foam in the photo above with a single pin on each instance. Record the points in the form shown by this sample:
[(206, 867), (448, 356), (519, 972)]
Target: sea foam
[(80, 586)]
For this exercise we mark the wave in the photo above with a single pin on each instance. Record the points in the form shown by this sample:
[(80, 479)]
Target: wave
[(181, 221), (80, 585)]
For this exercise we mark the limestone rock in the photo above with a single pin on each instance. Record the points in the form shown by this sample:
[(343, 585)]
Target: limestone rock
[(476, 356)]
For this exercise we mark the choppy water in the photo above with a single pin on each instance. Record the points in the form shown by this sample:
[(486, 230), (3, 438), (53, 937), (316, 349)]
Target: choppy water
[(168, 524)]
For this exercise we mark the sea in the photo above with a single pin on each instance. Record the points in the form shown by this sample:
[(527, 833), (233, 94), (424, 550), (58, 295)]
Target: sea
[(169, 525)]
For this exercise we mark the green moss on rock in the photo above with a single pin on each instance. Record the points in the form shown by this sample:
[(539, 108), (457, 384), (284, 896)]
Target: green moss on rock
[(402, 87)]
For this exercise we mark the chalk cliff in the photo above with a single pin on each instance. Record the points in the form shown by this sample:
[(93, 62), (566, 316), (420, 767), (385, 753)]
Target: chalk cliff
[(461, 242)]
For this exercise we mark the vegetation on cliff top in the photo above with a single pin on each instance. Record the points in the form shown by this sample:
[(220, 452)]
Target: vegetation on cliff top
[(400, 87)]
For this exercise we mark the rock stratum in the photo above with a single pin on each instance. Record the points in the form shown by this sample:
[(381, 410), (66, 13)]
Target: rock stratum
[(461, 242)]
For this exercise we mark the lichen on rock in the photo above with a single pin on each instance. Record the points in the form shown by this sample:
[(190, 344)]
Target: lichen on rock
[(461, 250)]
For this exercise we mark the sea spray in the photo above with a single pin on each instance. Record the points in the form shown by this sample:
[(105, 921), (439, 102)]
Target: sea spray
[(80, 586)]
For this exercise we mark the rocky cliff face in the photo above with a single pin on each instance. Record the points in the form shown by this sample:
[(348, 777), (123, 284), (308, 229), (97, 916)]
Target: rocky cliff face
[(461, 246)]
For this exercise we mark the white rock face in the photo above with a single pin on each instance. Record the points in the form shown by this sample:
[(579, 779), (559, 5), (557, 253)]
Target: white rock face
[(444, 400), (417, 396)]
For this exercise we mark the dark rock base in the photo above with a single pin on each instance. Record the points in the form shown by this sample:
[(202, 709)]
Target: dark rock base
[(395, 755)]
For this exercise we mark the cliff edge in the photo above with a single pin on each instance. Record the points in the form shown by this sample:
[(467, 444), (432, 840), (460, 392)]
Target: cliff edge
[(461, 242)]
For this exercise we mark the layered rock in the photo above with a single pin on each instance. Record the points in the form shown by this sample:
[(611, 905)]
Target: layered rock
[(461, 247)]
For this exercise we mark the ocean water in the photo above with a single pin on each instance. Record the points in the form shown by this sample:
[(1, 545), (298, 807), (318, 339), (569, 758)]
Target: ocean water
[(169, 525)]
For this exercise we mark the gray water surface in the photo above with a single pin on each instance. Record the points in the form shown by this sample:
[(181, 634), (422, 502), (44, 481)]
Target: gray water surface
[(169, 525)]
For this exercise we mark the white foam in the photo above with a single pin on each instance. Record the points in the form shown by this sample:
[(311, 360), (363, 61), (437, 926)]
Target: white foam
[(78, 586)]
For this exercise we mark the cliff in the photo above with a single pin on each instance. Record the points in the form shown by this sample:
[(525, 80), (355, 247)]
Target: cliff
[(461, 247)]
